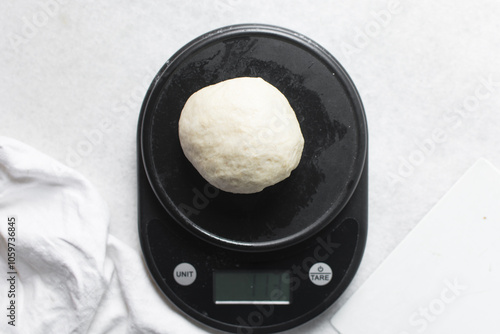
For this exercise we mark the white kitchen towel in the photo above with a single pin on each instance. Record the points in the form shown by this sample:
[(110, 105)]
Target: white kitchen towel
[(60, 270)]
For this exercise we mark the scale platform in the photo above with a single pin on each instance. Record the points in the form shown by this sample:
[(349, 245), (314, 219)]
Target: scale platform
[(270, 261)]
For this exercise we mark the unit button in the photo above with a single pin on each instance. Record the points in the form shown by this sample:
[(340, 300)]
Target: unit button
[(184, 274), (320, 274)]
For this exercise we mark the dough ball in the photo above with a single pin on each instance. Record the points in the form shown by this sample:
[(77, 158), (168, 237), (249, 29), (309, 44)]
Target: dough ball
[(241, 135)]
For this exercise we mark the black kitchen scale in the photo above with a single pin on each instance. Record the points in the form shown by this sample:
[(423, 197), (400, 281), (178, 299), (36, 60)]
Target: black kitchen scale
[(269, 261)]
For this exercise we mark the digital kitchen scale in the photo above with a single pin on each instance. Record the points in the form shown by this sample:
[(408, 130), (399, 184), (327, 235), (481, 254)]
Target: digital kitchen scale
[(269, 261)]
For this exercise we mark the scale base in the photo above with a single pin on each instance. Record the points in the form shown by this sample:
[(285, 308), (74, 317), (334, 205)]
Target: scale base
[(166, 245)]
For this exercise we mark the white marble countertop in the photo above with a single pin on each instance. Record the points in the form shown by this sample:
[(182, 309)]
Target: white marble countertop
[(73, 76)]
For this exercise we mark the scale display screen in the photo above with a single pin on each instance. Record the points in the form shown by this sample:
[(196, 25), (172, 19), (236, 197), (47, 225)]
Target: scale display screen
[(252, 287)]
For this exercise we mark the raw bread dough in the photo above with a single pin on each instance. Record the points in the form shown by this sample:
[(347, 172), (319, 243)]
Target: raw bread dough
[(241, 135)]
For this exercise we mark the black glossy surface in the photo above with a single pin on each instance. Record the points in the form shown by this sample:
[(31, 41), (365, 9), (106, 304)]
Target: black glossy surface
[(329, 112), (165, 245), (182, 219)]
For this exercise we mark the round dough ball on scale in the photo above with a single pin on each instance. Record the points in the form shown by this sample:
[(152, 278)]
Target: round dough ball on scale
[(241, 135)]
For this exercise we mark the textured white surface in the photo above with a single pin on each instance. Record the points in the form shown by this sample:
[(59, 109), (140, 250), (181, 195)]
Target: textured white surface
[(428, 73)]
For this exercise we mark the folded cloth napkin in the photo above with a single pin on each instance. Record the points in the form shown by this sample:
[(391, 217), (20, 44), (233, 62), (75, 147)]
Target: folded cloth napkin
[(60, 270)]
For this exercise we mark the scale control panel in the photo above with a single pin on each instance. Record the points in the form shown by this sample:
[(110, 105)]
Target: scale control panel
[(234, 290)]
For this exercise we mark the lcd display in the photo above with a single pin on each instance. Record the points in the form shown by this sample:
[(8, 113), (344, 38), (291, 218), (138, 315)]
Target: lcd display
[(252, 287)]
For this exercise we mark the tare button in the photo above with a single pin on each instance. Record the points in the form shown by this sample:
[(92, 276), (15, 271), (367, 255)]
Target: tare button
[(320, 274), (185, 274)]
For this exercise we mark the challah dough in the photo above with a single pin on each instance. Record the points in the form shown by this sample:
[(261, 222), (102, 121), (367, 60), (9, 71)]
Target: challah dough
[(241, 135)]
